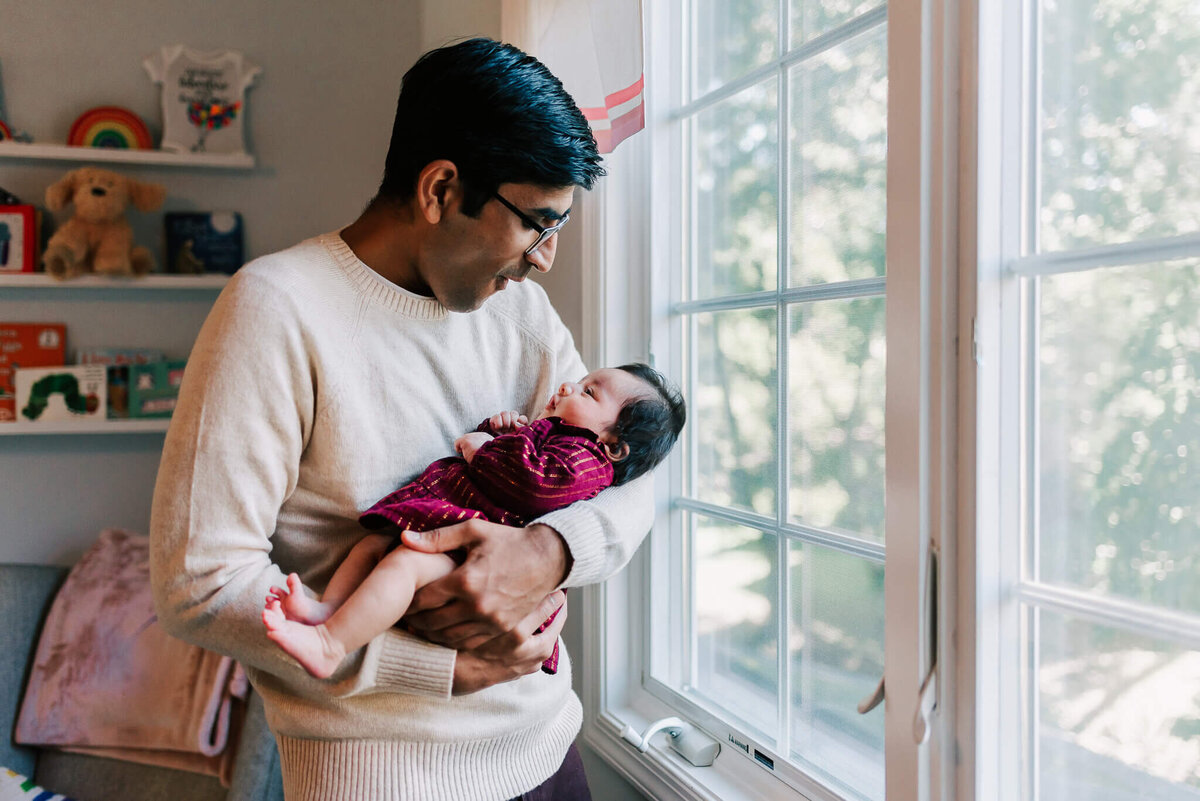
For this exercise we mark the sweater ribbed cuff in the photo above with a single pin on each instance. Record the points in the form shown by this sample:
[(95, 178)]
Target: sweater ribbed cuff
[(411, 665), (584, 535)]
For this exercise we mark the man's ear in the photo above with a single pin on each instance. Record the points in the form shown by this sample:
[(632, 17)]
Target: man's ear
[(616, 450), (438, 185)]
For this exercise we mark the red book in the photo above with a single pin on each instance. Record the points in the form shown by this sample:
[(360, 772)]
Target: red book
[(27, 345)]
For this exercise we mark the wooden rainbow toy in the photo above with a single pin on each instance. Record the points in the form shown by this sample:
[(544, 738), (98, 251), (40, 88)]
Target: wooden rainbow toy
[(110, 126), (5, 133)]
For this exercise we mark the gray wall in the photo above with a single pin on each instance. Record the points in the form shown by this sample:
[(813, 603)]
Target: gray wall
[(318, 116)]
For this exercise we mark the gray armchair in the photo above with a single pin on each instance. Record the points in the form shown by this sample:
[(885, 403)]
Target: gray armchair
[(25, 595)]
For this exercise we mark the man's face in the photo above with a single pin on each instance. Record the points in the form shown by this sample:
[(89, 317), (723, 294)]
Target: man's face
[(474, 258)]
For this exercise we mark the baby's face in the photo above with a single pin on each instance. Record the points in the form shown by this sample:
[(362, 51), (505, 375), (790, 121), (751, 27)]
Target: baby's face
[(594, 402)]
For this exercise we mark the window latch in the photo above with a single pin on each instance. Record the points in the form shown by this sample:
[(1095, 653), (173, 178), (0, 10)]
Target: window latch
[(927, 695), (873, 700), (688, 741)]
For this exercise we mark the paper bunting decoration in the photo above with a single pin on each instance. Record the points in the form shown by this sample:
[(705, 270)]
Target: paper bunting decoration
[(110, 126)]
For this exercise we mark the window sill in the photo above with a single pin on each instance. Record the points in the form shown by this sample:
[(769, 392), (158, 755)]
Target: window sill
[(662, 773)]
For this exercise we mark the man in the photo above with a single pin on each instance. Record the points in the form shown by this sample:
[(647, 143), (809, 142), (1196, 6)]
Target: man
[(332, 372)]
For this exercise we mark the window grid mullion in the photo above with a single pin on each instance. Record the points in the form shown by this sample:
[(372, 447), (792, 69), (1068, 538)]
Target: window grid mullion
[(1122, 254), (808, 50), (1033, 117), (1132, 616), (1030, 567), (834, 290), (689, 526), (783, 239), (1031, 623), (842, 543), (1030, 561)]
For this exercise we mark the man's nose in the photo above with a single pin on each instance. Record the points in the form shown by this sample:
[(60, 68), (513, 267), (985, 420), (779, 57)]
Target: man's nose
[(542, 259)]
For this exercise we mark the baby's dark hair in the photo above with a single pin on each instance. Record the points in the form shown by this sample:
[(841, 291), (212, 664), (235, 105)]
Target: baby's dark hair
[(649, 425)]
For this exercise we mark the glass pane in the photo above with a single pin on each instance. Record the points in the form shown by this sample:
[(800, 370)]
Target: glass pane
[(735, 194), (1119, 715), (735, 591), (1119, 433), (836, 370), (836, 650), (811, 18), (838, 140), (1120, 127), (731, 39), (733, 413)]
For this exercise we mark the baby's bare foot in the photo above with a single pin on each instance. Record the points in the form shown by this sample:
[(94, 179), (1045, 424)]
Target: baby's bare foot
[(297, 605), (311, 646)]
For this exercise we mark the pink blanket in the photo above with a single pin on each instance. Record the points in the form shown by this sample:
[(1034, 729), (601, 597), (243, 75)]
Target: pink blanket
[(108, 680)]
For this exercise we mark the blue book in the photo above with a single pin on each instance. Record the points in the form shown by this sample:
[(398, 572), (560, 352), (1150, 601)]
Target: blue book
[(203, 242)]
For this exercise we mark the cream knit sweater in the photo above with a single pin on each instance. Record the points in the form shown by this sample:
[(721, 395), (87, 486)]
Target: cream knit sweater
[(314, 388)]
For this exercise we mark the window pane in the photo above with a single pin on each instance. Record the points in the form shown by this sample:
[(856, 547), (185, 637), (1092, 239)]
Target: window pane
[(1120, 128), (1119, 411), (838, 142), (811, 18), (736, 194), (734, 414), (837, 659), (731, 39), (1119, 715), (836, 371), (737, 668)]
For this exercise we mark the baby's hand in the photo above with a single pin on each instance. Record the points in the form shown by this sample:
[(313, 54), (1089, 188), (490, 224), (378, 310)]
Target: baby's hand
[(507, 422), (467, 444)]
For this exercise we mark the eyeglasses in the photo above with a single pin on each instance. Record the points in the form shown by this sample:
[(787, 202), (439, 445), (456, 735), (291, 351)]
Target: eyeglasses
[(544, 233)]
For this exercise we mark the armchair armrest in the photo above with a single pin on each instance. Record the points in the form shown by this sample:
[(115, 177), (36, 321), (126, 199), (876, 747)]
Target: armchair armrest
[(25, 595)]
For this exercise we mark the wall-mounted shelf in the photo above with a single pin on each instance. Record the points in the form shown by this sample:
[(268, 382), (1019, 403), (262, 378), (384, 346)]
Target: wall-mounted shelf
[(153, 281), (113, 155), (151, 426)]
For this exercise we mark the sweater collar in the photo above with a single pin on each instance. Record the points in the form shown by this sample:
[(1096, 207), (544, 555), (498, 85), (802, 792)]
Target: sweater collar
[(377, 288)]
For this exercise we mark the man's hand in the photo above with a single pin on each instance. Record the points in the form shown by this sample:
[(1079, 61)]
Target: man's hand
[(512, 655), (507, 422), (467, 444), (505, 577)]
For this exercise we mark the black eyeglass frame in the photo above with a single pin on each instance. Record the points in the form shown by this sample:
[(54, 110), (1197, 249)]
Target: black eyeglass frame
[(544, 233)]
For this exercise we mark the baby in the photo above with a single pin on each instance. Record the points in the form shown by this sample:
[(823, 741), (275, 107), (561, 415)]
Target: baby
[(613, 426)]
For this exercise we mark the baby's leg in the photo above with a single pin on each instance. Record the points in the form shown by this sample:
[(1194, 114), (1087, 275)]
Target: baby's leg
[(353, 570), (371, 609)]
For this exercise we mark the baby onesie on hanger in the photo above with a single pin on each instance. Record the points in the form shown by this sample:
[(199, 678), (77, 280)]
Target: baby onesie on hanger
[(203, 98)]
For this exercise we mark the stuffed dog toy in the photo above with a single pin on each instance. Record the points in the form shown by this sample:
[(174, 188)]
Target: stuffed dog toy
[(98, 238)]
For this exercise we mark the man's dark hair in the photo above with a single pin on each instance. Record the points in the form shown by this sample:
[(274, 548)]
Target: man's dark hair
[(498, 114), (649, 425)]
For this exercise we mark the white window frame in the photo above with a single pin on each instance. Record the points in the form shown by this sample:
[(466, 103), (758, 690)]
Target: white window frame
[(625, 317)]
